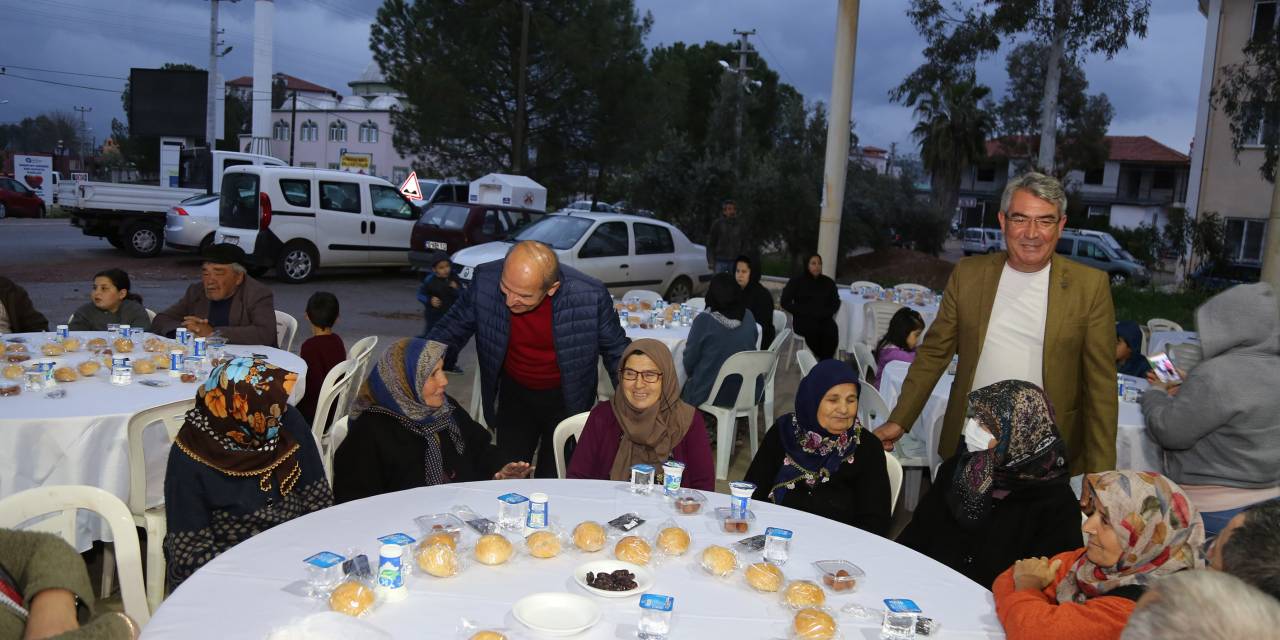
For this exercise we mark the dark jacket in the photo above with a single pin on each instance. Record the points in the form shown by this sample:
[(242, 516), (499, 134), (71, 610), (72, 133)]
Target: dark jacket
[(36, 561), (381, 456), (91, 318), (253, 314), (727, 239), (760, 303), (810, 299), (857, 494), (1029, 523), (23, 317), (709, 344), (584, 323)]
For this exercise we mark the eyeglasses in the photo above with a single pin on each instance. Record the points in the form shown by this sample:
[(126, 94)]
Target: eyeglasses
[(1044, 223), (648, 376)]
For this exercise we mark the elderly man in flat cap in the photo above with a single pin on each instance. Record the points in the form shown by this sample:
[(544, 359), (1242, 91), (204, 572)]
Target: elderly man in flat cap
[(226, 300)]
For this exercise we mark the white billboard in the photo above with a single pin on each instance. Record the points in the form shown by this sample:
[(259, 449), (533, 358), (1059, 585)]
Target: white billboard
[(37, 173)]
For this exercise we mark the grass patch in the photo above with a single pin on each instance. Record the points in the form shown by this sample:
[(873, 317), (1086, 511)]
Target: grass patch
[(1143, 303), (56, 211)]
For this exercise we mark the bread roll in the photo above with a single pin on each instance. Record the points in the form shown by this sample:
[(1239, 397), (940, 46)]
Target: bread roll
[(153, 345), (351, 598), (441, 537), (97, 343), (763, 576), (88, 367), (144, 366), (71, 344), (633, 549), (814, 624), (438, 559), (493, 549), (52, 349), (803, 593), (719, 561), (15, 347), (123, 345), (543, 544), (160, 360), (13, 371), (65, 374), (673, 541), (488, 635), (589, 536)]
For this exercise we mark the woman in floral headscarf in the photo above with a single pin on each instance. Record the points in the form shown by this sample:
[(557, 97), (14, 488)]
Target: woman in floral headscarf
[(1140, 527), (820, 459), (244, 461), (1004, 495)]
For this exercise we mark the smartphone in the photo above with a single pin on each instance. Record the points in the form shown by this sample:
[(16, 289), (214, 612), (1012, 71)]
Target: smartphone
[(1164, 369)]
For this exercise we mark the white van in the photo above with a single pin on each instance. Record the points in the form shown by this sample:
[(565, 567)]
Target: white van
[(982, 240), (296, 220)]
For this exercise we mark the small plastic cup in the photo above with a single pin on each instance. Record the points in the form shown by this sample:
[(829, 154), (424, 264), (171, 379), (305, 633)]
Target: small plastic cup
[(777, 543), (324, 572), (740, 500), (672, 474), (655, 616), (512, 510), (642, 479)]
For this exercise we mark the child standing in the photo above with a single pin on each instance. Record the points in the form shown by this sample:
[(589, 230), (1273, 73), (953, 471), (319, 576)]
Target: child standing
[(323, 351), (438, 292), (899, 342)]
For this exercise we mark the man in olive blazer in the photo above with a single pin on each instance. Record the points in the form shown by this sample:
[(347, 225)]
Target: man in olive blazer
[(1078, 354), (226, 300)]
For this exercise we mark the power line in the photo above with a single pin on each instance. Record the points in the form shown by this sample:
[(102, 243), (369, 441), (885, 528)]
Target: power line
[(69, 73), (61, 84), (778, 61)]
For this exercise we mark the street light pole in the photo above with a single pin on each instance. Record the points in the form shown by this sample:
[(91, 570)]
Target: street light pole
[(837, 159), (518, 143)]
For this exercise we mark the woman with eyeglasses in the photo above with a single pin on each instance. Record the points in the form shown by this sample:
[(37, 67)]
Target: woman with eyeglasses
[(646, 422), (820, 459), (1140, 527)]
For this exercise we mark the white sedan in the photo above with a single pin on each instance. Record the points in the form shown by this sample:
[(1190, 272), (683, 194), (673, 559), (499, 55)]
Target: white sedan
[(623, 251), (190, 224)]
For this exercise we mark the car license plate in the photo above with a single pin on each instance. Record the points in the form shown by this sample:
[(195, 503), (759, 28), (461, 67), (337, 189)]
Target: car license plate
[(431, 244), (465, 274), (231, 239)]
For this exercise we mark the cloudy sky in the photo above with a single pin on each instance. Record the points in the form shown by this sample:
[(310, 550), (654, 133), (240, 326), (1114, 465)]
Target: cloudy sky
[(1152, 85)]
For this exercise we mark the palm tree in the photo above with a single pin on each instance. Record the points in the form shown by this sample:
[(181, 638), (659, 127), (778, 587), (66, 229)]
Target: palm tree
[(953, 120)]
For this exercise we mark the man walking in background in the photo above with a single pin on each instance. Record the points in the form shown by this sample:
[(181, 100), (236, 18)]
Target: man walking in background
[(727, 239)]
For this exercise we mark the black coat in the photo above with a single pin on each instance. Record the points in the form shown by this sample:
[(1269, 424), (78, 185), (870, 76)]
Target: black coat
[(380, 456), (811, 299), (857, 494), (1031, 522), (760, 303)]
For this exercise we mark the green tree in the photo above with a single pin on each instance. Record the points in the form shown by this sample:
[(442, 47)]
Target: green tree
[(41, 134), (953, 121)]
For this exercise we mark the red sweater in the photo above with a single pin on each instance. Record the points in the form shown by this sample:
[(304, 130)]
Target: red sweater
[(531, 349), (321, 353), (598, 446), (1038, 615)]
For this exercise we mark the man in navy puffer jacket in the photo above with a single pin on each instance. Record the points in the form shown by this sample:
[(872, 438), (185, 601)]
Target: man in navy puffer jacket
[(539, 329)]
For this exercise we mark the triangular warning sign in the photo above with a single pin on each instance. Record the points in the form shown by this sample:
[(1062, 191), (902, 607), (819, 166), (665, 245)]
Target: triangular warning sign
[(410, 188)]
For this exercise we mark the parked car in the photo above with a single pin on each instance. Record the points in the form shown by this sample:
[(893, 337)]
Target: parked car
[(297, 220), (585, 205), (623, 251), (434, 191), (17, 200), (982, 240), (1091, 250), (1106, 239), (1215, 277), (191, 224), (451, 227)]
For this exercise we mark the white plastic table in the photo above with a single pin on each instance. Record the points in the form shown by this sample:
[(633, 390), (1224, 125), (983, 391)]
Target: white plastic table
[(850, 319), (83, 437), (242, 593)]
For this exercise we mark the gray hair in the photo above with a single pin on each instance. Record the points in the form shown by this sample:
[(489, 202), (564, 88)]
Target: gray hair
[(1202, 605), (238, 268), (1252, 551), (1045, 187)]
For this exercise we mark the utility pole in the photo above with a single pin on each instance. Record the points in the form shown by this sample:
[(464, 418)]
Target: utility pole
[(744, 49), (210, 103), (837, 160), (293, 126), (519, 157), (81, 133)]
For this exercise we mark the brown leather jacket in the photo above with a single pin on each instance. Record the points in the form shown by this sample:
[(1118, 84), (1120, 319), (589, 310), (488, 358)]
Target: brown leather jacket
[(23, 317)]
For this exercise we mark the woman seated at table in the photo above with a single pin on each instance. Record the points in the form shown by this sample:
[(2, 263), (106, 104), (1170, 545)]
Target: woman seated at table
[(110, 302), (1218, 428), (899, 342), (724, 328), (757, 299), (820, 459), (1141, 527), (647, 423), (244, 461), (812, 301), (1129, 358), (1006, 495), (409, 433)]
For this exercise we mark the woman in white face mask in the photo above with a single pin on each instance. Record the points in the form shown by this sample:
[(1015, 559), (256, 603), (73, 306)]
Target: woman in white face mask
[(1005, 495)]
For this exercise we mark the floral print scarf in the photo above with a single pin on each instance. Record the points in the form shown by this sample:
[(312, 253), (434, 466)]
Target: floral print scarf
[(1160, 532), (812, 454)]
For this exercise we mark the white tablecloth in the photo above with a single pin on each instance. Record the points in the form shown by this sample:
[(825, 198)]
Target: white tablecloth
[(1160, 340), (850, 318), (83, 438), (241, 594)]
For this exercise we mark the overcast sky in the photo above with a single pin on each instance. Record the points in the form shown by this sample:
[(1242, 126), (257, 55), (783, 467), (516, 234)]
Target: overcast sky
[(1152, 85)]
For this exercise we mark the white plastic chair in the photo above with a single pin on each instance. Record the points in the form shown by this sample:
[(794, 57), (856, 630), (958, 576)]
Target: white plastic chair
[(286, 329), (643, 295), (866, 361), (1160, 324), (476, 406), (894, 469), (752, 366), (153, 519), (913, 287), (362, 353), (925, 464), (338, 432), (872, 409), (779, 321), (865, 284), (334, 398), (570, 427), (806, 360), (795, 337), (64, 501), (151, 315), (1146, 338), (697, 304), (776, 349), (1186, 355), (604, 385), (876, 317)]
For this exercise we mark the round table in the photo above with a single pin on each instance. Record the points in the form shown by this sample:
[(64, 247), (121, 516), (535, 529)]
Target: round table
[(850, 320), (83, 437), (248, 591)]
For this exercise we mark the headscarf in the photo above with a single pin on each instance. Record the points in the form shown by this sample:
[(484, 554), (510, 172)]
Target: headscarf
[(650, 435), (1160, 533), (237, 424), (1137, 365), (394, 388), (724, 298), (810, 453), (1028, 450)]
